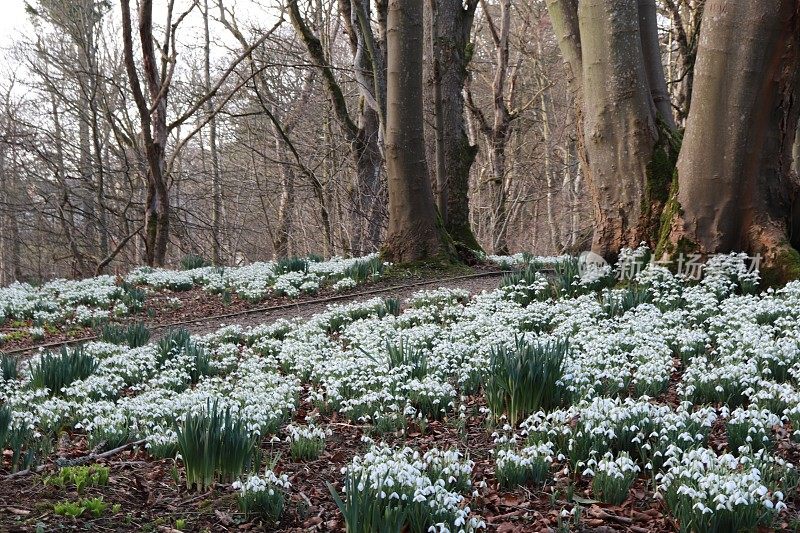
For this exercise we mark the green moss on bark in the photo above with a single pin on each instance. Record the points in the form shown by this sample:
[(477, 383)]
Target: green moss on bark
[(659, 176), (458, 226), (672, 210), (661, 182), (465, 243), (783, 269)]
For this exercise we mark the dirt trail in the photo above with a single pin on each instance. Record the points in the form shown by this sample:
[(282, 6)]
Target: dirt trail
[(281, 308), (307, 310)]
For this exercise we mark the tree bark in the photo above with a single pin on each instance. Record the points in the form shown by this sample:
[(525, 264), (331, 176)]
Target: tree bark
[(413, 233), (86, 170), (555, 238), (620, 132), (627, 153), (367, 198), (648, 33), (734, 186), (364, 133), (545, 114), (497, 131), (157, 212), (154, 130), (65, 218), (9, 231), (685, 19), (435, 151), (95, 81), (216, 180), (451, 38), (564, 17), (286, 204)]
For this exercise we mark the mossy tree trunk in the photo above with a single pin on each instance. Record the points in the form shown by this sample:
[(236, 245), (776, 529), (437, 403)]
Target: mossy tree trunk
[(450, 27), (625, 125), (414, 231), (734, 185), (153, 123)]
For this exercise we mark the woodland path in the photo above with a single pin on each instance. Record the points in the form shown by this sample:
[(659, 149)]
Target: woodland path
[(302, 308)]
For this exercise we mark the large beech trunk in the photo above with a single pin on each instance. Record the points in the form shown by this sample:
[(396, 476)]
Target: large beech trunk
[(612, 53), (413, 232), (451, 25), (619, 132), (735, 189)]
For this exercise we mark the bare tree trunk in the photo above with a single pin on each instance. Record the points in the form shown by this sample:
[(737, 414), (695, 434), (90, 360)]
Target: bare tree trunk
[(365, 136), (548, 164), (369, 60), (620, 133), (14, 259), (86, 171), (6, 268), (570, 198), (216, 182), (413, 232), (157, 214), (438, 177), (576, 190), (99, 162), (734, 186), (154, 130), (10, 267), (65, 217), (286, 203), (550, 190), (685, 19), (454, 152), (370, 176), (648, 32), (564, 17), (100, 182), (500, 212), (626, 154), (497, 131)]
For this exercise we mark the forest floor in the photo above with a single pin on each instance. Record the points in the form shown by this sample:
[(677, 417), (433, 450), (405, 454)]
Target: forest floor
[(631, 346), (151, 494), (146, 489)]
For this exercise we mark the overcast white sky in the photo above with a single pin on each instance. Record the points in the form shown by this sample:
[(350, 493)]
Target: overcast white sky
[(13, 20)]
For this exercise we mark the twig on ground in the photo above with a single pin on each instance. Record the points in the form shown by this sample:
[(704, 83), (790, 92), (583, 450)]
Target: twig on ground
[(77, 461)]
